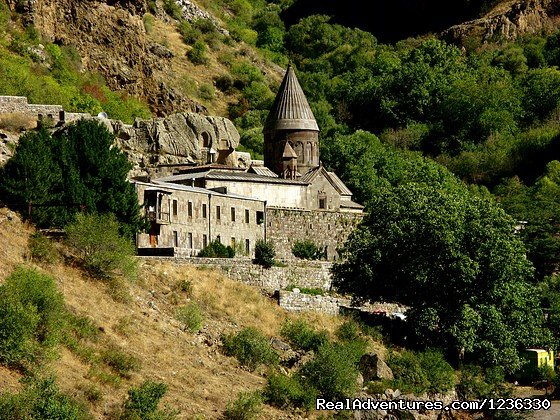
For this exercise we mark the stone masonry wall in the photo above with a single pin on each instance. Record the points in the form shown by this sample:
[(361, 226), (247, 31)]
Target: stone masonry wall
[(298, 302), (19, 105), (328, 229), (312, 275)]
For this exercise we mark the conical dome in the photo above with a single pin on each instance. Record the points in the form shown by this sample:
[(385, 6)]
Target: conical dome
[(290, 110)]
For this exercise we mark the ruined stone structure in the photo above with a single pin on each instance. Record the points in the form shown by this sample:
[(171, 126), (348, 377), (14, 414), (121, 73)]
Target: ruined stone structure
[(289, 198), (19, 105)]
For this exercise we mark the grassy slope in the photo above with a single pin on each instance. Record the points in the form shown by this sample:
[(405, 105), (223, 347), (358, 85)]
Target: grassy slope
[(201, 380)]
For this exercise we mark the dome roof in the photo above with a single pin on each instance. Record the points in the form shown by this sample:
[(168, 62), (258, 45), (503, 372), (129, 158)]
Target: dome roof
[(290, 110)]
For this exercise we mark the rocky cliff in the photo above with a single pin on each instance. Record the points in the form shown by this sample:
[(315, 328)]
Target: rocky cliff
[(507, 21), (111, 38), (179, 139)]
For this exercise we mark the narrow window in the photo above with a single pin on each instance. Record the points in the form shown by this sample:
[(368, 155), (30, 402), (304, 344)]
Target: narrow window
[(233, 214), (189, 209), (322, 203), (219, 239), (190, 240), (246, 215), (175, 239), (175, 207), (204, 241), (218, 212), (233, 243), (247, 246), (260, 217), (204, 211)]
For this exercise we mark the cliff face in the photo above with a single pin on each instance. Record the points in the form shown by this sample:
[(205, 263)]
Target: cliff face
[(509, 20), (111, 39)]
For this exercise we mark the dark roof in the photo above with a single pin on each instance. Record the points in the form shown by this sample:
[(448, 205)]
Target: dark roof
[(289, 151), (290, 110), (231, 176)]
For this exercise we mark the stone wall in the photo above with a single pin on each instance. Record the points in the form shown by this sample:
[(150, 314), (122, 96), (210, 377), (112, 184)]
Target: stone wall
[(298, 302), (312, 275), (19, 105), (327, 229)]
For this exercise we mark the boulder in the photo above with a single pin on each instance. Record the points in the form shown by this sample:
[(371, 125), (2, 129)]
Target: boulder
[(373, 368)]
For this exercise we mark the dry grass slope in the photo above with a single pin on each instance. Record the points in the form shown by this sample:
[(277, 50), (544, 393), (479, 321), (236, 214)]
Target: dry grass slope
[(201, 379)]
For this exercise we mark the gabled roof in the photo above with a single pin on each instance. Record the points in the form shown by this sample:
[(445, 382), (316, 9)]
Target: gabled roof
[(289, 151), (334, 180), (262, 170), (290, 110)]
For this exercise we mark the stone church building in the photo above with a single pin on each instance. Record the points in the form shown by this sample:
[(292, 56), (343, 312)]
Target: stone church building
[(289, 196)]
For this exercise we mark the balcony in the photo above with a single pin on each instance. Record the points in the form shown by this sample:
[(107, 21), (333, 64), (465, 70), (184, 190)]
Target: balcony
[(159, 217)]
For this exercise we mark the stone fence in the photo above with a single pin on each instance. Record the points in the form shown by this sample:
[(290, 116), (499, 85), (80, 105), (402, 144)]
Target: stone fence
[(303, 274), (19, 105)]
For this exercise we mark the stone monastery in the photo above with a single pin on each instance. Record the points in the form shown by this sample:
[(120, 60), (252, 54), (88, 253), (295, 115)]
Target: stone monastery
[(287, 198), (195, 187)]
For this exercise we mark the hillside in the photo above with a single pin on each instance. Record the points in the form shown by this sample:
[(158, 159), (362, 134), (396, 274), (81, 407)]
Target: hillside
[(201, 380)]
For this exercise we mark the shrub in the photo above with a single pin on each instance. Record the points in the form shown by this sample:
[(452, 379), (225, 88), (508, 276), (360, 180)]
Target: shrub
[(216, 249), (191, 316), (120, 362), (32, 315), (172, 9), (143, 401), (247, 406), (440, 374), (283, 391), (332, 372), (409, 375), (100, 247), (250, 347), (206, 92), (197, 54), (476, 383), (349, 330), (41, 399), (189, 33), (306, 250), (302, 335), (41, 249), (148, 21), (264, 253)]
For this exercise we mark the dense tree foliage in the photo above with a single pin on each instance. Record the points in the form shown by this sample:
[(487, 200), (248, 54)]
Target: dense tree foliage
[(455, 259), (74, 169)]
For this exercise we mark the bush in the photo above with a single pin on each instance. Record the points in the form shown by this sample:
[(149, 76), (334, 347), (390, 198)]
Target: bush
[(41, 399), (250, 347), (148, 21), (191, 316), (100, 247), (302, 335), (143, 401), (422, 372), (216, 249), (120, 362), (197, 54), (172, 9), (41, 249), (247, 406), (409, 375), (206, 92), (476, 383), (332, 372), (283, 391), (31, 316), (349, 330), (440, 374), (264, 253), (306, 250)]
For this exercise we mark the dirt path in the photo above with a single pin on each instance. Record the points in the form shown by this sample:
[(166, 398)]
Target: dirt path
[(553, 413)]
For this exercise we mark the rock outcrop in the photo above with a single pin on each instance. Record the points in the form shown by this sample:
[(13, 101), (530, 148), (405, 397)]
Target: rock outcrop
[(183, 138), (508, 21), (111, 39)]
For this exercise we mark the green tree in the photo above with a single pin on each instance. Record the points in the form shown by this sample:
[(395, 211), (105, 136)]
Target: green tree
[(104, 252), (455, 259), (76, 168)]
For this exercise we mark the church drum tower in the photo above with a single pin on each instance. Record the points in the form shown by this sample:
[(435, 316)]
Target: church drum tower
[(291, 125)]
